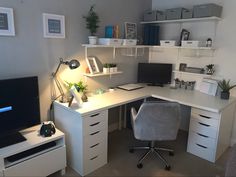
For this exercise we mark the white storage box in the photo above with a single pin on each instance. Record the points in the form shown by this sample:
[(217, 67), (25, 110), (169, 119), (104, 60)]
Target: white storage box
[(109, 41), (169, 43), (192, 43), (129, 42)]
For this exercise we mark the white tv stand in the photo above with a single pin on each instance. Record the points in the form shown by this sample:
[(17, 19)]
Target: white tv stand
[(37, 162)]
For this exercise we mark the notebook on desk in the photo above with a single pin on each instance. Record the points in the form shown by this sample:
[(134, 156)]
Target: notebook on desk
[(130, 87)]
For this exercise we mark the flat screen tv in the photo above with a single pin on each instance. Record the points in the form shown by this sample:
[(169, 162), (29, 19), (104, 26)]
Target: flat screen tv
[(19, 108), (154, 73)]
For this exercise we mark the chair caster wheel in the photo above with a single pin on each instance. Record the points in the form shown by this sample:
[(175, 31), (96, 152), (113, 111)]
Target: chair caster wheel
[(140, 165), (131, 150), (171, 153), (167, 168)]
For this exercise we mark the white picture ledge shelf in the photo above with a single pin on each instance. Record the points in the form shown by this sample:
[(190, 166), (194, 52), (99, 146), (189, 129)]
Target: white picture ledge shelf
[(184, 20), (102, 74), (188, 73)]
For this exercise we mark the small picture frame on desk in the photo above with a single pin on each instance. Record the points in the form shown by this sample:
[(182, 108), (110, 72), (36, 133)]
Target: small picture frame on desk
[(92, 64), (130, 30)]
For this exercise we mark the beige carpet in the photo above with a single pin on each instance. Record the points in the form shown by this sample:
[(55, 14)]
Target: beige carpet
[(123, 163)]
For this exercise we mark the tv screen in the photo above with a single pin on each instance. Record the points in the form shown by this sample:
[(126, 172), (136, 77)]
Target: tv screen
[(19, 104), (154, 73)]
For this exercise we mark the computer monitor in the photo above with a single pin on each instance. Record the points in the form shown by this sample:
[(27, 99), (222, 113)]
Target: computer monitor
[(155, 73)]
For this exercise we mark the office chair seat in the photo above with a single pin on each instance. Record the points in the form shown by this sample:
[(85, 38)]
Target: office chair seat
[(155, 121)]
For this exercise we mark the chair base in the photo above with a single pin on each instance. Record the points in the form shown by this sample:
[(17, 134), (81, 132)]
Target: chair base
[(151, 148)]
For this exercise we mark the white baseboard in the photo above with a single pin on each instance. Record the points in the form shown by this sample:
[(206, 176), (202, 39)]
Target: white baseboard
[(113, 127)]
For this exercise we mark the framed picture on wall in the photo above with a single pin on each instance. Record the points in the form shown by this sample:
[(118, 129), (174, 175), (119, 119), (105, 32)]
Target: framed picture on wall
[(54, 26), (92, 64), (7, 27), (130, 30)]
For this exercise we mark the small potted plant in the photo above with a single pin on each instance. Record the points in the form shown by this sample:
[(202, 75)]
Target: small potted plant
[(225, 87), (106, 68), (81, 88), (210, 69), (113, 67), (92, 20), (177, 83)]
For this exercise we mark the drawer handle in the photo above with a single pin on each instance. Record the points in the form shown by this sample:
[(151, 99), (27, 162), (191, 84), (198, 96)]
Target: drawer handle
[(95, 133), (95, 115), (94, 124), (202, 146), (204, 116), (203, 135), (204, 124), (94, 157), (94, 145)]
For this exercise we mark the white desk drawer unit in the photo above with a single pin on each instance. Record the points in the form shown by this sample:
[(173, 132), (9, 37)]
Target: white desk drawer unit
[(206, 137), (87, 138)]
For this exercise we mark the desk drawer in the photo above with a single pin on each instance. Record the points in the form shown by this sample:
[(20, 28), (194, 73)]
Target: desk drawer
[(94, 162), (95, 122), (201, 150), (205, 120), (203, 128), (202, 139), (206, 114)]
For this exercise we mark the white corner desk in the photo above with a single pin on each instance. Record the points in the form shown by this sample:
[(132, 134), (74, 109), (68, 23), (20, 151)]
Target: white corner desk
[(86, 127)]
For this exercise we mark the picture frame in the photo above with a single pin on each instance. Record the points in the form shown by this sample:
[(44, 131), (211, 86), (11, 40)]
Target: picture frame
[(130, 30), (7, 27), (92, 64), (53, 26)]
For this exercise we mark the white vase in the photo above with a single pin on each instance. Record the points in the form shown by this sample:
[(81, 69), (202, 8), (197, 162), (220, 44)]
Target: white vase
[(106, 70), (92, 40), (112, 70)]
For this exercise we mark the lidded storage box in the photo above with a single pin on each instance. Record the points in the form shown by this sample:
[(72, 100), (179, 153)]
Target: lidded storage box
[(187, 13), (174, 14), (150, 15), (207, 10)]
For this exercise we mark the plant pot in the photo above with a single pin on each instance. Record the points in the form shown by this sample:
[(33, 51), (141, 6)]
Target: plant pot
[(224, 95), (84, 97), (93, 40), (106, 70)]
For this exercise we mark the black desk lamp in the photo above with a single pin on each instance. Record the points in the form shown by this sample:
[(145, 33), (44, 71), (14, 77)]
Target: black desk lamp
[(73, 64)]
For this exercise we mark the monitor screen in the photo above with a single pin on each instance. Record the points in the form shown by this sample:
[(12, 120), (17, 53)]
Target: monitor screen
[(154, 73), (19, 104)]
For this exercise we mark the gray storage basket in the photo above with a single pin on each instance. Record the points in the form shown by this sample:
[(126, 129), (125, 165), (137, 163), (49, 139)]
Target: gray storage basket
[(187, 13), (207, 10), (150, 15), (173, 14), (160, 15)]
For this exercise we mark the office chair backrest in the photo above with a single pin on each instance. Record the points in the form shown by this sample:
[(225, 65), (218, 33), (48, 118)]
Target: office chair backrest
[(157, 121)]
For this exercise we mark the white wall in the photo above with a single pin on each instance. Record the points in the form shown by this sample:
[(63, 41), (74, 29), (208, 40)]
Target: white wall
[(28, 53), (225, 55)]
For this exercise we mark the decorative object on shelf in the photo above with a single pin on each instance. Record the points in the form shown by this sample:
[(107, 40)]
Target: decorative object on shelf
[(106, 68), (182, 66), (92, 20), (47, 129), (209, 42), (7, 27), (210, 69), (73, 64), (53, 25), (130, 30), (225, 87), (184, 36), (92, 64)]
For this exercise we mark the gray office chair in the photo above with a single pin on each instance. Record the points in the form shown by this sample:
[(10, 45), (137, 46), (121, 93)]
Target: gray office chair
[(155, 121)]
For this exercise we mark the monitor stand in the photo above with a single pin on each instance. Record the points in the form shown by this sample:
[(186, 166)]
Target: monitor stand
[(11, 139)]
